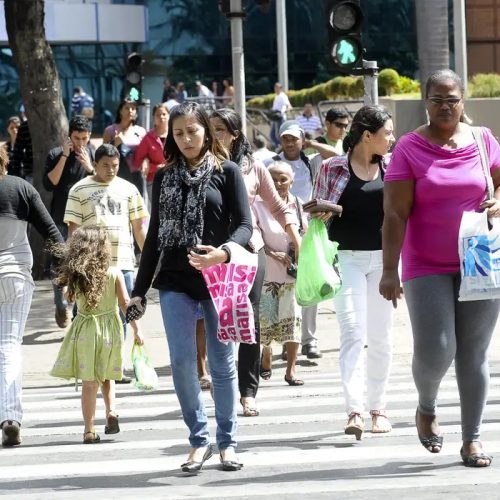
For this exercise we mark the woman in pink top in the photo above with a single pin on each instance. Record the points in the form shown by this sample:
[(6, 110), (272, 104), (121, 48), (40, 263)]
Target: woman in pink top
[(280, 315), (435, 175), (228, 127), (149, 156)]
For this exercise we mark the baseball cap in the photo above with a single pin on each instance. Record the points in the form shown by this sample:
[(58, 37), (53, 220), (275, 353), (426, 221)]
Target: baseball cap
[(292, 127)]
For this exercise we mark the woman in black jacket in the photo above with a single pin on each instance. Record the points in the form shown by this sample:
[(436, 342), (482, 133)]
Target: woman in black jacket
[(199, 203)]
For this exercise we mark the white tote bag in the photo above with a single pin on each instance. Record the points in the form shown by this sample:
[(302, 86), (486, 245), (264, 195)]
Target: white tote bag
[(479, 245)]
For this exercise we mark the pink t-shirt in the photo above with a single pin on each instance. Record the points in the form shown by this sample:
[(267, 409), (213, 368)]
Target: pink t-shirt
[(447, 183)]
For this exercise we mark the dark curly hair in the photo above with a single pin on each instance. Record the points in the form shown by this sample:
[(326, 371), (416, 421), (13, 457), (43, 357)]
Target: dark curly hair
[(371, 118), (85, 260), (240, 147)]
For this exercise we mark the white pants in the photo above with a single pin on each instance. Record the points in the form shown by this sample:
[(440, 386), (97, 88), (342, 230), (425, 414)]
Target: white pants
[(364, 317), (15, 302)]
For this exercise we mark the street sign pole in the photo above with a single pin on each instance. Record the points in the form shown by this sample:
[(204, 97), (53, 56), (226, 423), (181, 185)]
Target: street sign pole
[(236, 16), (370, 78)]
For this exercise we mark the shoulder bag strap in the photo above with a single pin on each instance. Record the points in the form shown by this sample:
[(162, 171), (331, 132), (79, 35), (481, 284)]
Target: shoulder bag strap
[(478, 137), (299, 214)]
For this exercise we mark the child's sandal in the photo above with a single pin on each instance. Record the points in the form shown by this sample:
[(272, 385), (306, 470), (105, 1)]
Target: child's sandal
[(90, 437), (111, 426)]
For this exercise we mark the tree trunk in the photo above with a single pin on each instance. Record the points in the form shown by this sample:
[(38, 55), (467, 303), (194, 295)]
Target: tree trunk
[(432, 37), (40, 91)]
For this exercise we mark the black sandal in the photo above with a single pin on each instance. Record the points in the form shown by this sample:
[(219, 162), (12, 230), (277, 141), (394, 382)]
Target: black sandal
[(265, 373), (112, 426), (473, 459), (432, 444), (293, 381)]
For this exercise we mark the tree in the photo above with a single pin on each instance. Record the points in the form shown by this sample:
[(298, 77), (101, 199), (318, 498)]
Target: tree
[(432, 37), (40, 91)]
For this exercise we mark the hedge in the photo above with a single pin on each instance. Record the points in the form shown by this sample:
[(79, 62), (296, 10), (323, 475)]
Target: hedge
[(341, 87)]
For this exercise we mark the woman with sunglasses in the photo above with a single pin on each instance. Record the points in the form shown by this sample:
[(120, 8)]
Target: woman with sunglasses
[(435, 174)]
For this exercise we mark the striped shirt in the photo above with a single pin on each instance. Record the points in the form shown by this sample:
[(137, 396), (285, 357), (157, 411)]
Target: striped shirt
[(115, 206), (332, 179)]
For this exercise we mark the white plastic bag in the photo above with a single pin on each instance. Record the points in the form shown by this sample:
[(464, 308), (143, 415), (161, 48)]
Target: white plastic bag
[(479, 250)]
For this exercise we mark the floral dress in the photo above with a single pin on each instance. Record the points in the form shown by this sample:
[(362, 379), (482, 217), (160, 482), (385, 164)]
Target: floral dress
[(280, 315), (92, 347)]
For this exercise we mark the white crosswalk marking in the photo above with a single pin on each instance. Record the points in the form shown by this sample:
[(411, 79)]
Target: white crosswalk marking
[(298, 439)]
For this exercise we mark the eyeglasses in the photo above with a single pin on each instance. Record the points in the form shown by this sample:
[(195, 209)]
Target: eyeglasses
[(452, 102), (341, 125)]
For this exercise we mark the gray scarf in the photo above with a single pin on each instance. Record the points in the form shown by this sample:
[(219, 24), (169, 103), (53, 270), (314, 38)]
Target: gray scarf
[(181, 210)]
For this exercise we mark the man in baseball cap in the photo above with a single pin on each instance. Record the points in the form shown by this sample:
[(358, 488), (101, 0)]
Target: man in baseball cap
[(293, 128)]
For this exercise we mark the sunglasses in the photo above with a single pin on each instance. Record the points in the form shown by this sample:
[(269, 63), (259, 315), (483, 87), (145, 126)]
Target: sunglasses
[(452, 102), (341, 125)]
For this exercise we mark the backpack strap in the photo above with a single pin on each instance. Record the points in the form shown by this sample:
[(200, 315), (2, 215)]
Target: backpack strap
[(298, 208), (477, 132)]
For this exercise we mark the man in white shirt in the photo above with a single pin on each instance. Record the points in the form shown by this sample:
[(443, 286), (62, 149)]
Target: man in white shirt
[(262, 152), (292, 141), (281, 105), (206, 95), (309, 121)]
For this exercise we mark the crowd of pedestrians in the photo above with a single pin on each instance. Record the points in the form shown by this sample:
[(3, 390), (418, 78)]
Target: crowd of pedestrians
[(207, 190)]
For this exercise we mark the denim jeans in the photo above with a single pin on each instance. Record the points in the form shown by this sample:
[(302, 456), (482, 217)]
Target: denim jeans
[(179, 313), (129, 285)]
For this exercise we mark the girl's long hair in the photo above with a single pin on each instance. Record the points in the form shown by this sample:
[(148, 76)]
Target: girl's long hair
[(85, 260), (240, 147), (212, 144)]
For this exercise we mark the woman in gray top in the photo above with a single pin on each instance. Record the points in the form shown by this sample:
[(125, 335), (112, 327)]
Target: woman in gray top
[(20, 204)]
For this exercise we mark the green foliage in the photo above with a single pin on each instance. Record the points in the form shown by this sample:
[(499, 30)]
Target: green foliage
[(388, 82), (485, 85), (340, 88), (408, 86)]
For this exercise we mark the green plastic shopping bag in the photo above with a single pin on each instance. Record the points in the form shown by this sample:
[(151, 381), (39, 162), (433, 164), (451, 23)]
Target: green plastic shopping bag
[(318, 275), (146, 378)]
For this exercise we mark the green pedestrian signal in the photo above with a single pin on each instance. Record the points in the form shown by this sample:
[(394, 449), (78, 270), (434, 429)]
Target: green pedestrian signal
[(133, 77), (134, 94), (346, 52), (345, 19)]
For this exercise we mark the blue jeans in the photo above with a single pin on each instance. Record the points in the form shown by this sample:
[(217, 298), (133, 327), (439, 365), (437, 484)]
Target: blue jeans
[(129, 285), (179, 313)]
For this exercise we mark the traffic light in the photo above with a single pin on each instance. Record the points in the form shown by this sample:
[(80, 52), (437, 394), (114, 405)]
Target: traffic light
[(345, 18), (133, 77)]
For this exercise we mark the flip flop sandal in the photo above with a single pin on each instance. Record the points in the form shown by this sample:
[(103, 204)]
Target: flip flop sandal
[(473, 459), (249, 411), (294, 381), (265, 373)]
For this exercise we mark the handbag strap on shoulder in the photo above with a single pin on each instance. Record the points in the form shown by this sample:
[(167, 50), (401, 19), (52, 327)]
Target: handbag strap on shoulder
[(485, 163)]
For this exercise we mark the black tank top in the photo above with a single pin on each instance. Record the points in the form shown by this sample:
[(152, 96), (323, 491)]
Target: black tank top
[(360, 226)]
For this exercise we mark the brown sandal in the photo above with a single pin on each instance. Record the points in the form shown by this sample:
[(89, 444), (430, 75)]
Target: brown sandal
[(355, 425), (112, 426), (380, 422)]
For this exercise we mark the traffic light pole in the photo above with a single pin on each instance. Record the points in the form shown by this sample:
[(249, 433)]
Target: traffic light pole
[(236, 16), (370, 78)]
